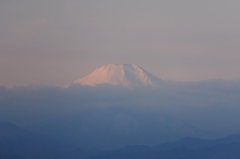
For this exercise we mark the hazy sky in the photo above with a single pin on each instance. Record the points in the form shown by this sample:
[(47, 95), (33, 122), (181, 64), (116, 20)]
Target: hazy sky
[(57, 41)]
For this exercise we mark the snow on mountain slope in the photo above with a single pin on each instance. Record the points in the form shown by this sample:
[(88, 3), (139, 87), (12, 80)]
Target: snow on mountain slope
[(127, 75)]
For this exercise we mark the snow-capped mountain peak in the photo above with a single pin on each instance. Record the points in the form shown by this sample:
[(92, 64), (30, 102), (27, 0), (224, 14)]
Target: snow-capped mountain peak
[(127, 75)]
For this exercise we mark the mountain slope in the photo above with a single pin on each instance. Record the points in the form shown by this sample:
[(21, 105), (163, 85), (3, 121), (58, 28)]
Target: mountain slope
[(127, 75)]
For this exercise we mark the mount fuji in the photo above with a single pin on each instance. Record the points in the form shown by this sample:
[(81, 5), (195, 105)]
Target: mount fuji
[(127, 75)]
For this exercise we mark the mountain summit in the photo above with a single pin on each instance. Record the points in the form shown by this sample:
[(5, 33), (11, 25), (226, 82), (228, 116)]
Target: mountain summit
[(127, 75)]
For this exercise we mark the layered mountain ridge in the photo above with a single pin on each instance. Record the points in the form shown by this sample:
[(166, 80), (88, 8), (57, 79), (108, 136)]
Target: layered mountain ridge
[(127, 75)]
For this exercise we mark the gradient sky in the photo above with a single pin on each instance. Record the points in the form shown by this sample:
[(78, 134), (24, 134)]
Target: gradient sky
[(55, 42)]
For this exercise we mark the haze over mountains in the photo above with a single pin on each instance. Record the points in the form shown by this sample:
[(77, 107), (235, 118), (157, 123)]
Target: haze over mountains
[(186, 148), (19, 143), (127, 75), (106, 110)]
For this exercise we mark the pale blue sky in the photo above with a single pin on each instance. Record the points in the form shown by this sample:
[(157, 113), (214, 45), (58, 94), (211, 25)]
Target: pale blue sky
[(58, 41)]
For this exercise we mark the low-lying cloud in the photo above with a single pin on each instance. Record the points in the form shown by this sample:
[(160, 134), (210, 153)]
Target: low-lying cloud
[(210, 106)]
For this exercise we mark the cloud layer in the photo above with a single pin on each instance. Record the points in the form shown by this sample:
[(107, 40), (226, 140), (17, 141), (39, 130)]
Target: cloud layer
[(174, 110)]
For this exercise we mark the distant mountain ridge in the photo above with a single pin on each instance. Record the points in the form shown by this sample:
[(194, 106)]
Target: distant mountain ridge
[(186, 148), (23, 144), (127, 75)]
